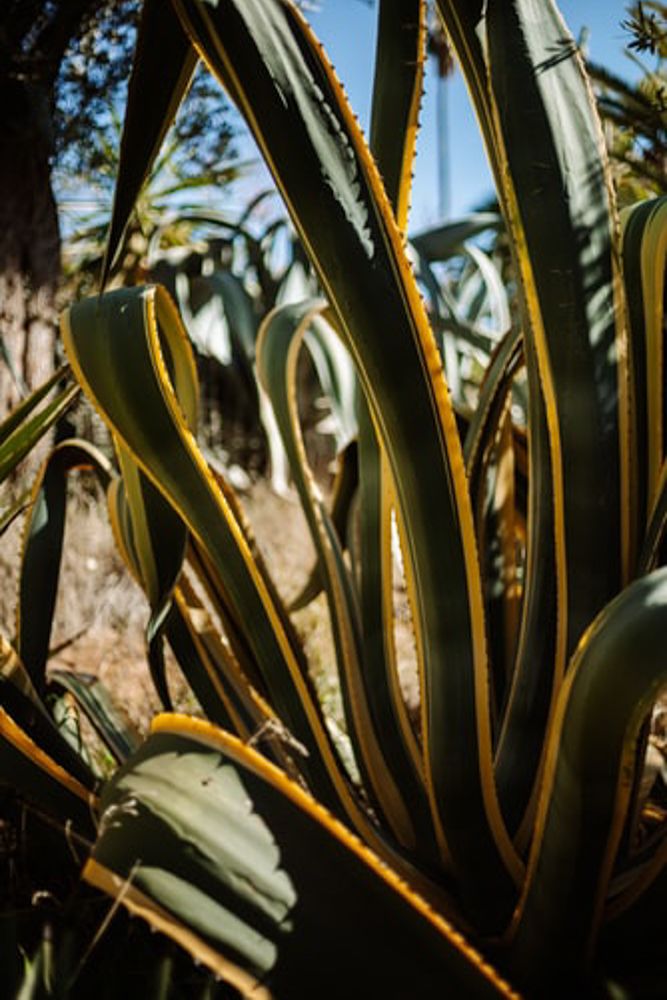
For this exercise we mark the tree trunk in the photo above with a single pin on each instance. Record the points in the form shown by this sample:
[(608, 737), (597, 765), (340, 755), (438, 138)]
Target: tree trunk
[(29, 243)]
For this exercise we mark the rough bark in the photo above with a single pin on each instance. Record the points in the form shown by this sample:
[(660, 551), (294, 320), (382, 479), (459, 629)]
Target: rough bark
[(29, 242)]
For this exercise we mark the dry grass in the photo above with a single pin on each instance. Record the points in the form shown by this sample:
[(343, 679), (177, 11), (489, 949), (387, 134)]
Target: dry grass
[(100, 613)]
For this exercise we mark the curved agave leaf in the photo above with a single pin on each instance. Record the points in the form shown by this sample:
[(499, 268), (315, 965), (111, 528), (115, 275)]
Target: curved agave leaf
[(234, 309), (377, 505), (489, 451), (131, 332), (202, 672), (42, 550), (235, 862), (398, 71), (14, 510), (498, 532), (588, 783), (535, 672), (495, 387), (470, 312), (210, 662), (337, 377), (157, 540), (278, 348), (484, 286)]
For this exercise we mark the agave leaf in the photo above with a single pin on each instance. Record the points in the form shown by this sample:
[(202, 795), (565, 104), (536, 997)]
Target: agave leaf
[(278, 349), (93, 698), (42, 550), (121, 334), (588, 782), (497, 528), (490, 292), (495, 387), (336, 375), (238, 309), (203, 674), (37, 777), (504, 513), (535, 671), (161, 74), (490, 462), (650, 554), (519, 60), (446, 240), (14, 510), (244, 709), (397, 89), (21, 412), (397, 84), (343, 492), (25, 436), (376, 599), (211, 668), (121, 527), (534, 68), (235, 863), (644, 259), (242, 325), (26, 708), (158, 541)]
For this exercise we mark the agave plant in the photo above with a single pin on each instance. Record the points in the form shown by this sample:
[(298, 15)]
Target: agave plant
[(512, 827)]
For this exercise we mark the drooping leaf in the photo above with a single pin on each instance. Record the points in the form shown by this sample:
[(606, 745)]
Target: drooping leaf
[(219, 850), (42, 549), (279, 343), (118, 344)]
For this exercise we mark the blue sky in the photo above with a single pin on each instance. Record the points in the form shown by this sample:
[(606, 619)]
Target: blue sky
[(347, 30)]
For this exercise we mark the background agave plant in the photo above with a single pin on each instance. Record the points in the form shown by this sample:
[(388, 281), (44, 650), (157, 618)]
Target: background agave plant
[(513, 823)]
